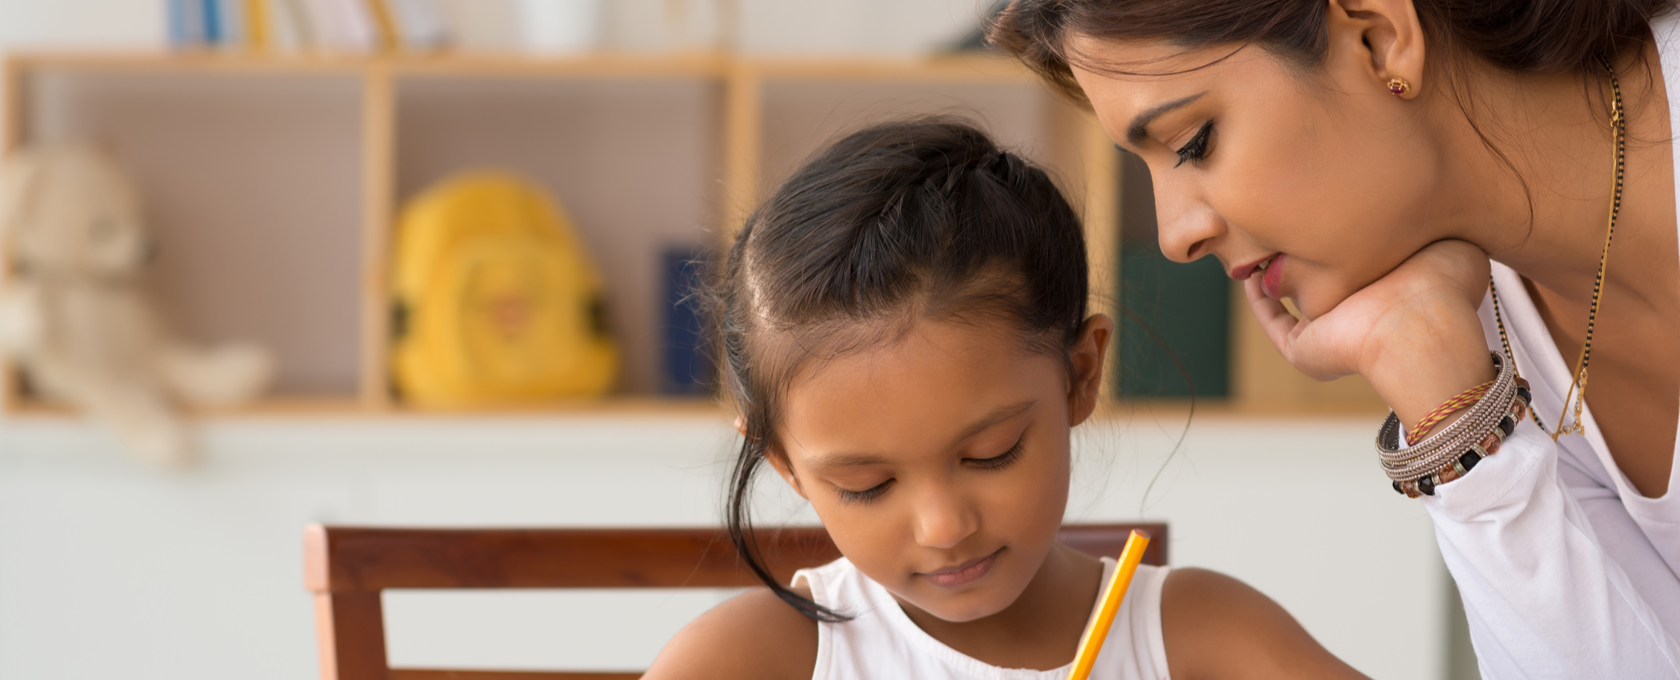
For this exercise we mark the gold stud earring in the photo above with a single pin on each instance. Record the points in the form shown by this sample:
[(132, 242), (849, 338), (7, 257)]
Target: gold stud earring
[(1399, 87)]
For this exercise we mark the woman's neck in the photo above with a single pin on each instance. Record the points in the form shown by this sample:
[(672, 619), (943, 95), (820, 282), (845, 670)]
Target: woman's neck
[(1550, 224)]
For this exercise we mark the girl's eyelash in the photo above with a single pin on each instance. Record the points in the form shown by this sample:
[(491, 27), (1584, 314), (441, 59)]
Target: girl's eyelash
[(998, 462), (1001, 461), (866, 495), (1197, 148)]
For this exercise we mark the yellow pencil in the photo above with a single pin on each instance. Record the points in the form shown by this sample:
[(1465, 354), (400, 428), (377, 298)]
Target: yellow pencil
[(1098, 632)]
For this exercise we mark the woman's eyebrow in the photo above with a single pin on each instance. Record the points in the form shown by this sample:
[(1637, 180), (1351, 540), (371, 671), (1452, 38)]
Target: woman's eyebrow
[(1139, 129)]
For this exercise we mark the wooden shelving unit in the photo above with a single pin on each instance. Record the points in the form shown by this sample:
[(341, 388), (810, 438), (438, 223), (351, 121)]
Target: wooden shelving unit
[(272, 183)]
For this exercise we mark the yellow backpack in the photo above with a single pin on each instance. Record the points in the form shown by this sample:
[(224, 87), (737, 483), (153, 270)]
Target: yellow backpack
[(496, 300)]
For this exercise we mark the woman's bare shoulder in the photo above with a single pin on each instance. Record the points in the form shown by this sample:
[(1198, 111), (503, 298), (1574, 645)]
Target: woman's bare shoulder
[(1217, 627), (753, 636)]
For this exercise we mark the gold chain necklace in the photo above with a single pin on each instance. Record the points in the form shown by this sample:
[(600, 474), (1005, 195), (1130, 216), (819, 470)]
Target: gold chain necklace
[(1578, 386)]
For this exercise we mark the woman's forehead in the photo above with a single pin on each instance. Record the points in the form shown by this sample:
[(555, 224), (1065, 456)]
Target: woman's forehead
[(1129, 82), (1156, 67)]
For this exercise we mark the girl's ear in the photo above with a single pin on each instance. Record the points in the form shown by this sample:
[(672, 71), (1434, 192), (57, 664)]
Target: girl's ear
[(1090, 354), (777, 460), (1382, 38), (780, 462)]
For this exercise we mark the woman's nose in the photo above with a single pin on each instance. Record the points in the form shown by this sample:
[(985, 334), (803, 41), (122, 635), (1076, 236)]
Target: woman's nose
[(1186, 228), (943, 520)]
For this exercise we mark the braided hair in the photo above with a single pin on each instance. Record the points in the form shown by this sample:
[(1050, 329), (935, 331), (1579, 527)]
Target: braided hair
[(897, 222)]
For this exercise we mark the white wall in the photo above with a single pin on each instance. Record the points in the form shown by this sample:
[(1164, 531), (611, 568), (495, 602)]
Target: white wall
[(108, 570), (765, 26)]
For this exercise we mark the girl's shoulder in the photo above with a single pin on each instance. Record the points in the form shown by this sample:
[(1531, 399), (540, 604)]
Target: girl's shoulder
[(752, 636), (1216, 626)]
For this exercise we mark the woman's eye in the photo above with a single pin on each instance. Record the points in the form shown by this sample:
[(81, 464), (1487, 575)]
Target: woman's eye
[(1197, 148), (1000, 461), (866, 495)]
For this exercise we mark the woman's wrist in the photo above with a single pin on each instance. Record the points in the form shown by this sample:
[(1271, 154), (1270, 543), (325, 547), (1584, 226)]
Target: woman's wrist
[(1416, 372)]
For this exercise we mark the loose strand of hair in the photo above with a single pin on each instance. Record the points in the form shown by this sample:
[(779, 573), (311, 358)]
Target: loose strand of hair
[(741, 534)]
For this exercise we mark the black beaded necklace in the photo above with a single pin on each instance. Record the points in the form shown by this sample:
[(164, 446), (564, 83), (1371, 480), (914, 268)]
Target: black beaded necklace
[(1578, 386)]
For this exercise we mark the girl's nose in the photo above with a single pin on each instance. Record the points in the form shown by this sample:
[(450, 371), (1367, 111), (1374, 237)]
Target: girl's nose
[(1187, 228), (943, 520)]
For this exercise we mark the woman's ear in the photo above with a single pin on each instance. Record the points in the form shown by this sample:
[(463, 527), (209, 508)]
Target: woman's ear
[(1090, 355), (777, 460), (1383, 38)]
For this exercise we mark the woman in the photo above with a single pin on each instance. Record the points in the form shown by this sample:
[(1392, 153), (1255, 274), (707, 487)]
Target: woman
[(1365, 159)]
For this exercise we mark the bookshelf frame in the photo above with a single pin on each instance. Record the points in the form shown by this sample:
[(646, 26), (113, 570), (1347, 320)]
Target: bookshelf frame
[(1082, 153)]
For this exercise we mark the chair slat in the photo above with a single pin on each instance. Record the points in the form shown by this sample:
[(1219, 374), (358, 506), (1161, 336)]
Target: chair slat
[(347, 567), (1106, 540), (354, 559), (422, 674)]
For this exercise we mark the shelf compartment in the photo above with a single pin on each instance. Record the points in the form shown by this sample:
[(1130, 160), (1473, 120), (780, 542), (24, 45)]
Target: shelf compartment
[(632, 162), (251, 190)]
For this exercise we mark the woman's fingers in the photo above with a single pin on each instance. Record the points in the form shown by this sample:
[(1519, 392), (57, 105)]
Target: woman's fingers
[(1275, 321)]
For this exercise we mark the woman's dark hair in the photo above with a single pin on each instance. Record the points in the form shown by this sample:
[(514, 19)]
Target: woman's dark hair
[(1521, 36), (921, 219), (1534, 37)]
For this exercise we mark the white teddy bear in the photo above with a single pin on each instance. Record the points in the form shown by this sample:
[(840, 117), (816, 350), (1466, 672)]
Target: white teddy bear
[(73, 316)]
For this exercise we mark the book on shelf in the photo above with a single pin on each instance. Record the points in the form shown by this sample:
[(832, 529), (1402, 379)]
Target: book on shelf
[(294, 26), (418, 25), (385, 26)]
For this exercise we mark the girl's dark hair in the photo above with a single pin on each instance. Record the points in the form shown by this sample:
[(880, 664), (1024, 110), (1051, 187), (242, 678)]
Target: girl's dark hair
[(901, 221), (1521, 36)]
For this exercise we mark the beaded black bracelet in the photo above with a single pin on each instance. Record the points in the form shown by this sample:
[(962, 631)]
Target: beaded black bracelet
[(1462, 444), (1460, 466)]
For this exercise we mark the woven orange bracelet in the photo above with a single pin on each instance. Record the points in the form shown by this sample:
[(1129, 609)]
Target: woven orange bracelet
[(1464, 400)]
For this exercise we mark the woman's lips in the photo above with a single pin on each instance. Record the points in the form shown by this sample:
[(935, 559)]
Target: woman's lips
[(1272, 283), (963, 574)]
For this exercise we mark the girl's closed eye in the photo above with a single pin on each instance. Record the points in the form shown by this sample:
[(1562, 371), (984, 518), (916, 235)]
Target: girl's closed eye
[(1196, 150), (1002, 460), (864, 496)]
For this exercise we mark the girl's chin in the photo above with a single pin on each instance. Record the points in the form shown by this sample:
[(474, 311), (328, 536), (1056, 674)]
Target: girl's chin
[(969, 604), (961, 609)]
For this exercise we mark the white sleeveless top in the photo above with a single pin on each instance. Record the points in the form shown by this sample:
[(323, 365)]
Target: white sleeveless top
[(882, 641)]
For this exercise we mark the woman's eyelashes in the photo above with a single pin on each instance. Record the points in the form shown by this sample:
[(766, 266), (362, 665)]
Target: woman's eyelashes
[(998, 462), (1197, 148)]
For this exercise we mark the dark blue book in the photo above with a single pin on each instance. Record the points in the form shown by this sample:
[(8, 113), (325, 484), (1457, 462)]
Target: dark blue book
[(186, 23), (212, 22), (689, 368)]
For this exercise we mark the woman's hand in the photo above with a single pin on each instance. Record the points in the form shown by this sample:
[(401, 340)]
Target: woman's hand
[(1413, 334)]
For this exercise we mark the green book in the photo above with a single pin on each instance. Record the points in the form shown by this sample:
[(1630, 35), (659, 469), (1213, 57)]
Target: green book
[(1175, 320)]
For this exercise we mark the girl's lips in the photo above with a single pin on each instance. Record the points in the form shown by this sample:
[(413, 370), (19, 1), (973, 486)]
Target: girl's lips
[(964, 574), (1272, 283)]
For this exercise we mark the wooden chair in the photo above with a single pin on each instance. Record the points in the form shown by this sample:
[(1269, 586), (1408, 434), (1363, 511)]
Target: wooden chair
[(346, 568)]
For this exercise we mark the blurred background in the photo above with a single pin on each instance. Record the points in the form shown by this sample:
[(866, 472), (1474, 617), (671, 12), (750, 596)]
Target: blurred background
[(340, 335)]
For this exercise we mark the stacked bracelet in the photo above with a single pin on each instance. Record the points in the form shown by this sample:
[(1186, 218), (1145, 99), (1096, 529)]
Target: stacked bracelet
[(1462, 401), (1458, 447)]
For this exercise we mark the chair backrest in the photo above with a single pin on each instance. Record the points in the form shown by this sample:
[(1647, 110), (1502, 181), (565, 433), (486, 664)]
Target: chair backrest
[(346, 568)]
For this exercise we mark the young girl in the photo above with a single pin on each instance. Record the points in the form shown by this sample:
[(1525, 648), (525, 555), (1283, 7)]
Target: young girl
[(904, 329)]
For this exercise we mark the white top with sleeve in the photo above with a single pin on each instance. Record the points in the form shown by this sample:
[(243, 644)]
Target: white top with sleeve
[(1565, 569), (882, 641)]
